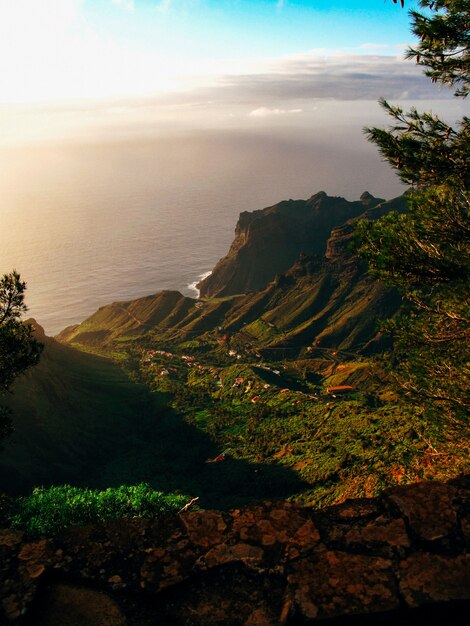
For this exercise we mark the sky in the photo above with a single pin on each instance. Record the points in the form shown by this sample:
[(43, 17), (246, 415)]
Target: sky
[(110, 66)]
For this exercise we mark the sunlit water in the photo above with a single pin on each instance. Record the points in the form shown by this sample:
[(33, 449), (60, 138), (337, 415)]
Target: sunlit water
[(92, 223)]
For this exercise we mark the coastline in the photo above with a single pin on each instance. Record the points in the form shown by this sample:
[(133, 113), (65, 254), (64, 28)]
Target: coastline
[(193, 286)]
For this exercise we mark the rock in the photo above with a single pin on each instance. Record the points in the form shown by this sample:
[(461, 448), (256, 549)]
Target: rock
[(283, 525), (269, 564), (382, 532), (336, 583), (426, 578), (72, 605), (10, 538), (242, 552), (205, 528), (229, 596), (268, 241), (428, 508)]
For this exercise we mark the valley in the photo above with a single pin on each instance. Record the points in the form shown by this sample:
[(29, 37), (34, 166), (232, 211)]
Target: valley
[(286, 383)]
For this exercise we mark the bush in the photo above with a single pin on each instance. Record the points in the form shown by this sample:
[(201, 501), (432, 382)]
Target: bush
[(48, 510)]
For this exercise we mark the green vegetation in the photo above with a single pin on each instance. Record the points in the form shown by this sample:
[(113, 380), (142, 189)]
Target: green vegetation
[(18, 348), (47, 511), (426, 252), (444, 42), (257, 374), (74, 414), (280, 415)]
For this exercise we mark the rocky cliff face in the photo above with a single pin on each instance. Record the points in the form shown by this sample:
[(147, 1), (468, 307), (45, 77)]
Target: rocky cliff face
[(341, 237), (309, 287), (269, 241), (395, 560)]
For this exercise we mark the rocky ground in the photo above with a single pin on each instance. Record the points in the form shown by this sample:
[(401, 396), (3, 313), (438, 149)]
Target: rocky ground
[(399, 559)]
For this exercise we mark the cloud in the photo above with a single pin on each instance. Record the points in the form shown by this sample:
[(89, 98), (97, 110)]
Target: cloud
[(128, 5), (164, 6), (338, 77), (265, 112), (368, 47)]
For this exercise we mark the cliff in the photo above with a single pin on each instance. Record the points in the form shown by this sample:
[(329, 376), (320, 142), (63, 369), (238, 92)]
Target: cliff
[(394, 560), (268, 241), (329, 301), (323, 300)]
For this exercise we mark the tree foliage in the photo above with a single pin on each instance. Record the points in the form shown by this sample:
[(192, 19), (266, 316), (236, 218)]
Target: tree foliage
[(444, 47), (426, 251), (18, 348), (422, 148)]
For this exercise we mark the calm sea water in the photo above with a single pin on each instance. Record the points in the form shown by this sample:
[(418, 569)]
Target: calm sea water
[(91, 223)]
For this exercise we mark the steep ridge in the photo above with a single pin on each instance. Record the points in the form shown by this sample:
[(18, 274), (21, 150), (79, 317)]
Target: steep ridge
[(270, 240), (325, 300), (132, 318)]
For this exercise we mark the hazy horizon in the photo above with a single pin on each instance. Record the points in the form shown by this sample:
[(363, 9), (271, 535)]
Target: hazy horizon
[(134, 132), (104, 221)]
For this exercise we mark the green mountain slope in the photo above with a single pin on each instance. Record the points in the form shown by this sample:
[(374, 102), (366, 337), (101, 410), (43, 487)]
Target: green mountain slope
[(252, 373), (321, 301), (79, 419), (71, 414)]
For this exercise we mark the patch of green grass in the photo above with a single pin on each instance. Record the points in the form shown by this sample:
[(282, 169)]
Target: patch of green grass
[(48, 510)]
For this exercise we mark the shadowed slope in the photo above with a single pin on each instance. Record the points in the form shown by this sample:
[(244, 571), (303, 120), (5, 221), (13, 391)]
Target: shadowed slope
[(80, 420)]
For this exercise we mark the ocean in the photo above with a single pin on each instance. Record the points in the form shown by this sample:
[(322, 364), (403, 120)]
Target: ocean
[(87, 223)]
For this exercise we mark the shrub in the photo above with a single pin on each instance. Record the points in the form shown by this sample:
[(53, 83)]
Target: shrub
[(48, 510)]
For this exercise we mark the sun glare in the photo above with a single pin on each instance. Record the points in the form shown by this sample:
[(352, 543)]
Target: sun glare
[(50, 52)]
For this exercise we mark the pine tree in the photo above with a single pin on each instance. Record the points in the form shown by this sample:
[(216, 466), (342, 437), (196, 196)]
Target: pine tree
[(18, 348), (426, 251)]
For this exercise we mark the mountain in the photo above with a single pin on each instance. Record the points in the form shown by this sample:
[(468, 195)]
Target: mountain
[(251, 373), (79, 419), (322, 300), (268, 241), (263, 389)]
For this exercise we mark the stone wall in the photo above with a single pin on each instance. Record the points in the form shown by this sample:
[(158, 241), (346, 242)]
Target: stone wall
[(400, 559)]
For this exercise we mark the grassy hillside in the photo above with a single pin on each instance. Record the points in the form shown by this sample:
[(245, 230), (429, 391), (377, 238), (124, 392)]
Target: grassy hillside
[(80, 420), (251, 374), (283, 413), (71, 413), (325, 300), (315, 304)]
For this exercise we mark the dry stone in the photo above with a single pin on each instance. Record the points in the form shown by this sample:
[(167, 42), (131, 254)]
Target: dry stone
[(267, 564)]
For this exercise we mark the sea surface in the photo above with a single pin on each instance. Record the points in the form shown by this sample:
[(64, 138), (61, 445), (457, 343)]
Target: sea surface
[(89, 223)]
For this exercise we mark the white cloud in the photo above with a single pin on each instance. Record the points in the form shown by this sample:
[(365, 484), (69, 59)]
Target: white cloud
[(128, 5), (265, 112), (164, 6), (341, 76), (369, 47)]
